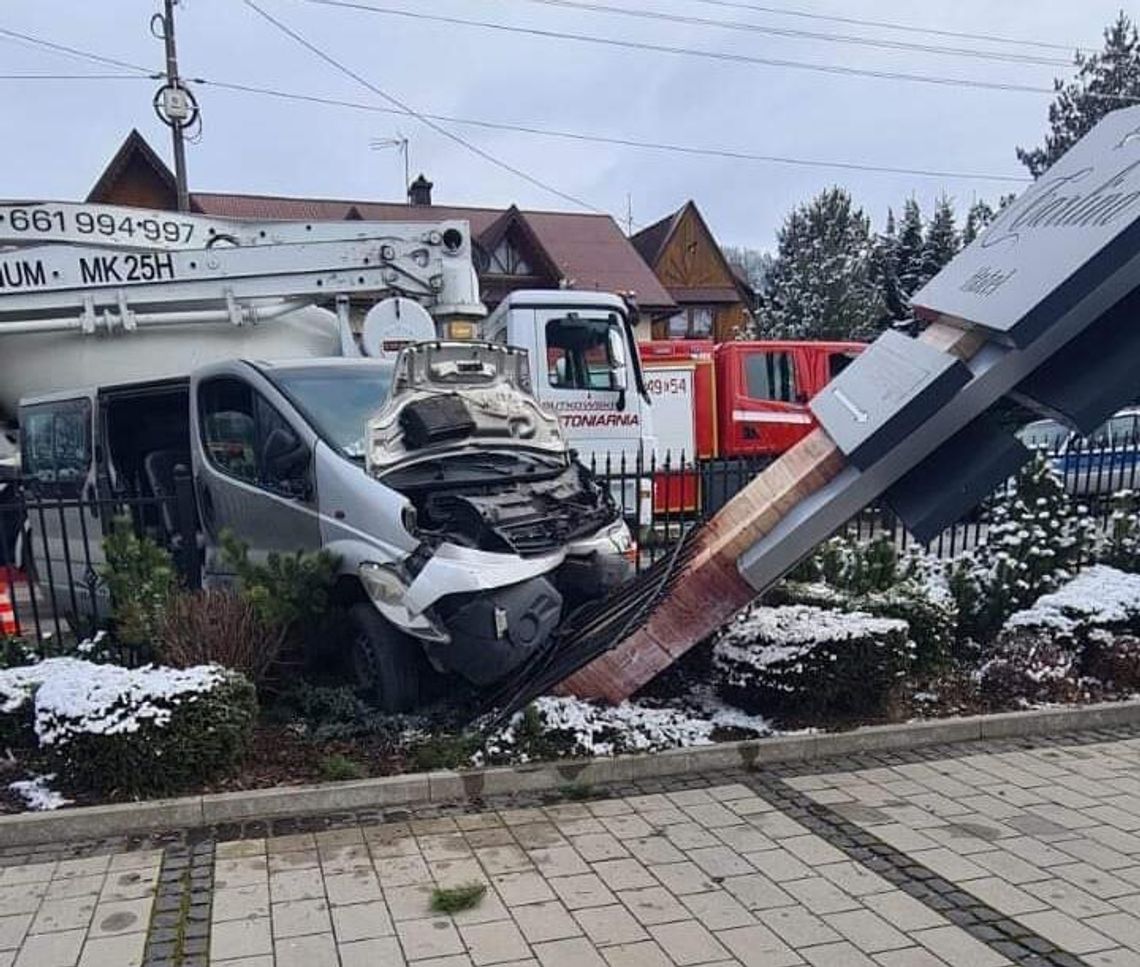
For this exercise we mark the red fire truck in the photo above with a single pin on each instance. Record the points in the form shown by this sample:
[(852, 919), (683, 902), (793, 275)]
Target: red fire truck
[(737, 403)]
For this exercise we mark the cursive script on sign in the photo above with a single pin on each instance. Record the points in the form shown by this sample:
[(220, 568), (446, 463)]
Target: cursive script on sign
[(1060, 203)]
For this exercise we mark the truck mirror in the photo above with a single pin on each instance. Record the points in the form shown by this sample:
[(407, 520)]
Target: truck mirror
[(619, 378)]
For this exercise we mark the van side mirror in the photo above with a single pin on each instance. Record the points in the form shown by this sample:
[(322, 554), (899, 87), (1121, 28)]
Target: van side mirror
[(284, 460)]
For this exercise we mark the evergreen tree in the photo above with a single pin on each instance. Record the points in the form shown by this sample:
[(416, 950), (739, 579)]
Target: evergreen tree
[(821, 285), (909, 261), (886, 271), (941, 242), (980, 215), (1103, 83)]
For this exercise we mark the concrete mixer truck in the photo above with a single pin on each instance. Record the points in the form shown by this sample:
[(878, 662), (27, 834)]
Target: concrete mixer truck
[(140, 349)]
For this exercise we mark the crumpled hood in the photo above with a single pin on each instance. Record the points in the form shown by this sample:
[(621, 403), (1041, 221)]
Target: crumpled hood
[(456, 398)]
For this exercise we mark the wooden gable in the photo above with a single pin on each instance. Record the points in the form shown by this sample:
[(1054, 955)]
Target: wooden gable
[(691, 258)]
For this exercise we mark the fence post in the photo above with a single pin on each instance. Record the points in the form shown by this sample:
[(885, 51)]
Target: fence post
[(187, 519)]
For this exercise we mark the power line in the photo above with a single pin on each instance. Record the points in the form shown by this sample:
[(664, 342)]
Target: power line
[(836, 69), (725, 153), (804, 34), (891, 25), (16, 35), (73, 77), (423, 119)]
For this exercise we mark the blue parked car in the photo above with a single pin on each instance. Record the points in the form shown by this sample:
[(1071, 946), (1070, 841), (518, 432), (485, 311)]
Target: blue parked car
[(1107, 462)]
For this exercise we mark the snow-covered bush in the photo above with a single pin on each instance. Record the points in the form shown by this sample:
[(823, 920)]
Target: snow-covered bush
[(1121, 545), (139, 731), (1099, 597), (930, 620), (851, 565), (552, 728), (1113, 660), (1027, 667), (1036, 541), (800, 662)]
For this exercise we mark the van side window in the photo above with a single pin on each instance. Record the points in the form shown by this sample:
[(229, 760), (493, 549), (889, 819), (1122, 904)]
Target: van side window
[(229, 428), (57, 444), (582, 353), (770, 376), (245, 437), (837, 362)]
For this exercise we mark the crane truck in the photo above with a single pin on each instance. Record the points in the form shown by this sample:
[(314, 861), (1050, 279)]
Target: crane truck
[(136, 346)]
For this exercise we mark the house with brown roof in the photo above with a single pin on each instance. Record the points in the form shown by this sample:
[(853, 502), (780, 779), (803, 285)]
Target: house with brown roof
[(713, 300), (514, 249)]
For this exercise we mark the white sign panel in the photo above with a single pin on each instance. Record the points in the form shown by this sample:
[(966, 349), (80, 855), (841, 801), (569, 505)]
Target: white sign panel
[(1066, 234), (672, 391)]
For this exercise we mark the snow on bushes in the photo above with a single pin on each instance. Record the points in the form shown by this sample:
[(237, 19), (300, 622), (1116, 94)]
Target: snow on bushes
[(140, 731), (551, 728), (1098, 597), (804, 662)]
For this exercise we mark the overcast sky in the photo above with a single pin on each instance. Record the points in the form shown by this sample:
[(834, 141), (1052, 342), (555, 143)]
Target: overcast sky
[(58, 135)]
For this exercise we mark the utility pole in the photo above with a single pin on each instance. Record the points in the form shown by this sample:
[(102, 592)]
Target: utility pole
[(174, 103), (629, 213)]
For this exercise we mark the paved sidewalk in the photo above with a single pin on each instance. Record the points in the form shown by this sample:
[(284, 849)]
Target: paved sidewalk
[(969, 857)]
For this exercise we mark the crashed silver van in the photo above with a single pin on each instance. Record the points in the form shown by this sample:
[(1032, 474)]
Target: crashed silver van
[(463, 528)]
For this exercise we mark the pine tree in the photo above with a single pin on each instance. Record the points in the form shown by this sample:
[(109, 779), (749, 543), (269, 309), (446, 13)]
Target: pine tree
[(909, 260), (886, 271), (1103, 83), (980, 215), (941, 242), (821, 285)]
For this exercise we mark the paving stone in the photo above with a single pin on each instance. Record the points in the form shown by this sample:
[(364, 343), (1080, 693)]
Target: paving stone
[(720, 861), (375, 952), (575, 952), (851, 878), (362, 921), (409, 902), (241, 871), (1122, 927), (518, 889), (71, 914), (644, 954), (654, 905), (797, 927), (402, 871), (820, 895), (594, 847), (540, 922), (1068, 898), (623, 828), (120, 917), (345, 888), (60, 949), (779, 865), (1095, 881), (682, 878), (687, 942), (559, 861), (718, 910), (756, 892), (435, 937), (13, 929), (240, 938), (1065, 932), (652, 850), (311, 950), (958, 948), (609, 925), (296, 918), (840, 954), (122, 951), (867, 930), (580, 891), (1004, 897), (757, 946), (494, 943), (28, 873), (504, 859), (77, 886), (910, 957)]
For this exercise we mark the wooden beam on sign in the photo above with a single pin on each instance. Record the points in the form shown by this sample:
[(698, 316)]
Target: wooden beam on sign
[(711, 590)]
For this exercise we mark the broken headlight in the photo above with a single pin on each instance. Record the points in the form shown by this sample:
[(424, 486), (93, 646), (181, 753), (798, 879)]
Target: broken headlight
[(383, 583)]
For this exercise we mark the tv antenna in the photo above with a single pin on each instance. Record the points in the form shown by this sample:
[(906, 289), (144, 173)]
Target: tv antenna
[(400, 143)]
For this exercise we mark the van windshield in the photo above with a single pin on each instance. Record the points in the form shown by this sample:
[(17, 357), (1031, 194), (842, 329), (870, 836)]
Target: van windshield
[(338, 401)]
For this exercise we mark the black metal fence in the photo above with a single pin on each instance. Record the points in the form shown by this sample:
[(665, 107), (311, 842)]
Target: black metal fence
[(51, 543)]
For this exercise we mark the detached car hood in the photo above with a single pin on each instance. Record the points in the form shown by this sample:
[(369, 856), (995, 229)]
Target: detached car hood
[(459, 398)]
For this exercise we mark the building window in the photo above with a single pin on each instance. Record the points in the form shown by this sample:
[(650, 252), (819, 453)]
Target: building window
[(506, 259), (695, 322)]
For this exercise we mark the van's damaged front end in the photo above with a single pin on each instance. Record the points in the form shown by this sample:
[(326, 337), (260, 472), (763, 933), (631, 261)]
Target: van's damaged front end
[(511, 532)]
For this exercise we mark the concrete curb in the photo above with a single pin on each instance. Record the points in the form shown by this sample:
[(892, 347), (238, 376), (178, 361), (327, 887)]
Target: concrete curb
[(97, 822)]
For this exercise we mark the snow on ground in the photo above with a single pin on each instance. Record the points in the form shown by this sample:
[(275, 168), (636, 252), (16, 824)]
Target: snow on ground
[(37, 794), (1099, 595), (763, 636), (73, 696)]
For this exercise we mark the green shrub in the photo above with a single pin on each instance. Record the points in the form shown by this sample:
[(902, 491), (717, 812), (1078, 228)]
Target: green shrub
[(1121, 545), (931, 623), (444, 751), (291, 592), (457, 898), (340, 768), (806, 664), (325, 712), (854, 566), (141, 577), (1037, 540), (138, 732)]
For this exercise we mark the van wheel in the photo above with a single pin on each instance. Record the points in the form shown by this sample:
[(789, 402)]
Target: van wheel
[(385, 661)]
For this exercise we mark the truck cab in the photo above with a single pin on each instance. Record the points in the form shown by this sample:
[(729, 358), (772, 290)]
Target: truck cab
[(585, 367)]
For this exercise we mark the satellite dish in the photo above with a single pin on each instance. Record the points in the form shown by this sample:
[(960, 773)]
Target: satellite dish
[(392, 324)]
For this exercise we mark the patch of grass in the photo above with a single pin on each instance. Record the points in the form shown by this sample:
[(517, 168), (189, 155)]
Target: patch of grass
[(339, 768), (456, 898), (444, 751), (577, 791)]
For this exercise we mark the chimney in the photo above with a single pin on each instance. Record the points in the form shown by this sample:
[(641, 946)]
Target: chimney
[(419, 192)]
